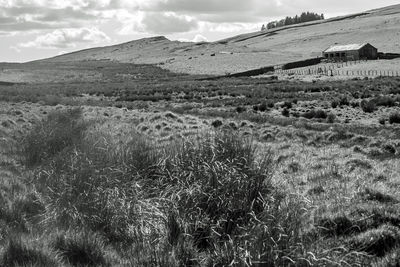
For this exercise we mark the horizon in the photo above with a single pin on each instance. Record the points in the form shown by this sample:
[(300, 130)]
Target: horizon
[(38, 29)]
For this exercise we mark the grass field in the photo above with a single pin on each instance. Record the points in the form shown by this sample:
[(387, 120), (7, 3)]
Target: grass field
[(178, 170)]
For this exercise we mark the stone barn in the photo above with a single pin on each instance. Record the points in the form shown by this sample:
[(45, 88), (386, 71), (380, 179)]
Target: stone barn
[(350, 52)]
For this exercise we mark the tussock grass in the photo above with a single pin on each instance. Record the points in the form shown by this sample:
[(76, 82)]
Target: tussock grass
[(60, 129), (80, 249), (370, 194), (18, 253), (201, 199), (378, 241)]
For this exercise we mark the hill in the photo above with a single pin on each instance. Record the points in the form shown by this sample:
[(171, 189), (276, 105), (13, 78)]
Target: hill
[(379, 27)]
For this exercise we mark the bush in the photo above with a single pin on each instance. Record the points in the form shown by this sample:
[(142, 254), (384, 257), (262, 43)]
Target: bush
[(80, 249), (368, 106), (60, 130), (394, 118), (334, 104)]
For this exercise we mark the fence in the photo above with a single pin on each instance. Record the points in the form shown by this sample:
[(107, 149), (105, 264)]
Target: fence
[(334, 69)]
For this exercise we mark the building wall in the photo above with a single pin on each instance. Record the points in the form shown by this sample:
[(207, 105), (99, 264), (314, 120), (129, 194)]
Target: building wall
[(342, 56), (369, 52)]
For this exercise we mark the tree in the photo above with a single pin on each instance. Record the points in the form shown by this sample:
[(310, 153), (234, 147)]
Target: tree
[(304, 17), (263, 28)]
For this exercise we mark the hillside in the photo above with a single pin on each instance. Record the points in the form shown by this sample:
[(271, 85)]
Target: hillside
[(379, 27)]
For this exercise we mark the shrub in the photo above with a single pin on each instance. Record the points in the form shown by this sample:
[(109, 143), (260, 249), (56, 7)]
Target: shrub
[(334, 104), (80, 249), (394, 118), (368, 106), (60, 130)]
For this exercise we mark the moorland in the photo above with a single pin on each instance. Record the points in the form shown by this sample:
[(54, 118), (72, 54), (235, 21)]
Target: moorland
[(118, 164)]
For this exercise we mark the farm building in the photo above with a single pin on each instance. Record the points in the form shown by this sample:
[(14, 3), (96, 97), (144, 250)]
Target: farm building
[(350, 52)]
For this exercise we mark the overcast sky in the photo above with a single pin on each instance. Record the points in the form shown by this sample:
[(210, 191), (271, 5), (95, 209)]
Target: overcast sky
[(33, 29)]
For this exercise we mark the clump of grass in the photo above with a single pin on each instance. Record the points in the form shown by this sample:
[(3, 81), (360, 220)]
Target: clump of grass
[(216, 123), (315, 114), (18, 253), (344, 101), (368, 106), (285, 112), (375, 195), (60, 130), (394, 118), (240, 109), (378, 241), (287, 105), (218, 185), (331, 118), (336, 225), (81, 249)]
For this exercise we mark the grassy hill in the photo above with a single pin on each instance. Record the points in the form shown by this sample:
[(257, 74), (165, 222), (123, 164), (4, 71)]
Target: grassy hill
[(379, 27)]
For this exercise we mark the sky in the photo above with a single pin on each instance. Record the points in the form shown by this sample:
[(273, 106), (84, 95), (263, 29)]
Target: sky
[(35, 29)]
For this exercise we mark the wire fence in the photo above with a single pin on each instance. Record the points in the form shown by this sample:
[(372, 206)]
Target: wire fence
[(337, 69)]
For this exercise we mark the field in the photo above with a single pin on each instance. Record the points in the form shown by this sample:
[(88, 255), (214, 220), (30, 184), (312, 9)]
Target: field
[(117, 164)]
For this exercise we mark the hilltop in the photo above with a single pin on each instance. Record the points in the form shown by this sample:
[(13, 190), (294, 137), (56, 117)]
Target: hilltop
[(379, 27)]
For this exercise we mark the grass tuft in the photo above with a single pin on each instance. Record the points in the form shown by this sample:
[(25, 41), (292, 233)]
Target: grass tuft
[(17, 253), (81, 249)]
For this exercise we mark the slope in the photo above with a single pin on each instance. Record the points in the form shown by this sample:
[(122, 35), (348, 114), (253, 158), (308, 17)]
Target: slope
[(380, 27)]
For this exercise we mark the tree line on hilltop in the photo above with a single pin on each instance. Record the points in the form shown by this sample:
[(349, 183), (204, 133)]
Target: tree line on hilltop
[(304, 17)]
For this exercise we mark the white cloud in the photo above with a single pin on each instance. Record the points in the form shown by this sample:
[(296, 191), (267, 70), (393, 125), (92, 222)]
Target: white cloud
[(162, 23), (199, 38), (67, 38)]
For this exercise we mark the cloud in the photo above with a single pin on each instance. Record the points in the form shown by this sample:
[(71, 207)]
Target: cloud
[(200, 6), (66, 38), (165, 23), (200, 38)]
